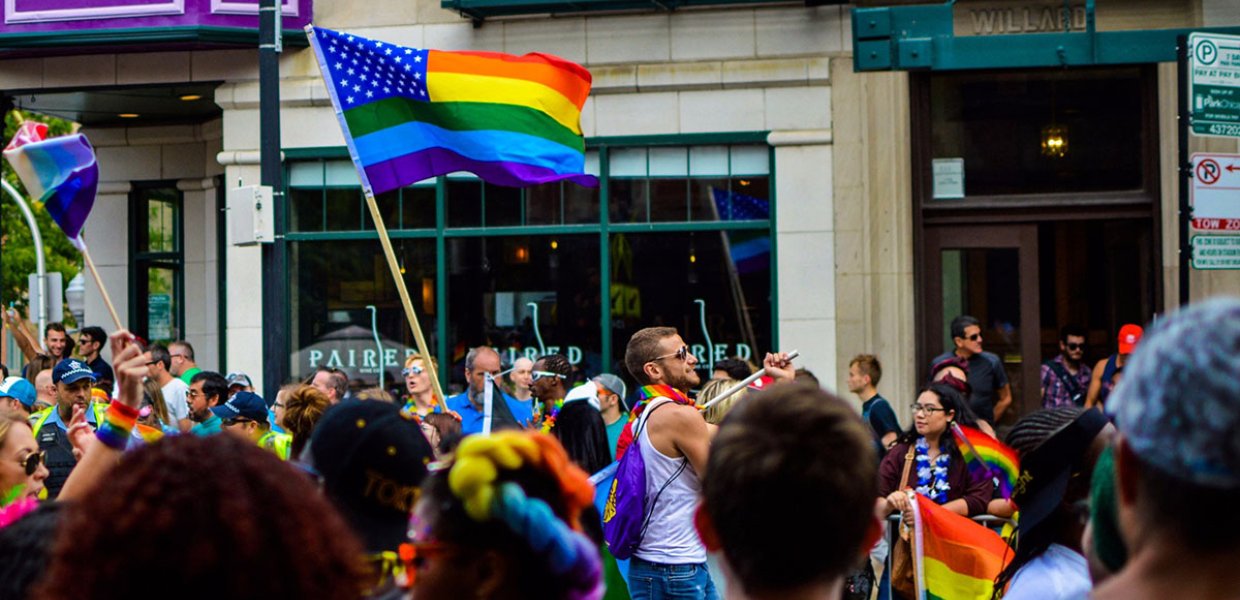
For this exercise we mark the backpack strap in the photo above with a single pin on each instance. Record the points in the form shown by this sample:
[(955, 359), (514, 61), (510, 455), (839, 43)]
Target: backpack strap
[(1073, 386)]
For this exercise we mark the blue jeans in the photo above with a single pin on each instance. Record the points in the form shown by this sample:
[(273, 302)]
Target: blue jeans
[(656, 581)]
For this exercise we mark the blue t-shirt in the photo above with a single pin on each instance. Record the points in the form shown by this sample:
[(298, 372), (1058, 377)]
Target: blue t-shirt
[(877, 413), (472, 418), (211, 426)]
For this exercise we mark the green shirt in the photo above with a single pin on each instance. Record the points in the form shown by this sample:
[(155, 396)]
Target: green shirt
[(613, 434), (189, 374), (211, 426)]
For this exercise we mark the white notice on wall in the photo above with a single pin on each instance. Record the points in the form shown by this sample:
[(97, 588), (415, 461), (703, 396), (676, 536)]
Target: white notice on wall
[(948, 178)]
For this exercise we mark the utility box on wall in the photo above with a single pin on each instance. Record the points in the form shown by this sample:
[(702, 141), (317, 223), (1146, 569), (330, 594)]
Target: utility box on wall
[(250, 215)]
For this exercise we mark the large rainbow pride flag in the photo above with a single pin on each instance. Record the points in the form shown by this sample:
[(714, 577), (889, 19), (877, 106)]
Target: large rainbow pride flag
[(60, 172), (988, 457), (409, 114), (953, 557)]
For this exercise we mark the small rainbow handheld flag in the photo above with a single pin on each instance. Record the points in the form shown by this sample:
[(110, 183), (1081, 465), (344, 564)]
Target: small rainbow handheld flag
[(409, 114), (988, 457), (60, 172), (953, 557)]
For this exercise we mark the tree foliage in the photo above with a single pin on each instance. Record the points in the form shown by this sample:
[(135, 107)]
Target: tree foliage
[(17, 255)]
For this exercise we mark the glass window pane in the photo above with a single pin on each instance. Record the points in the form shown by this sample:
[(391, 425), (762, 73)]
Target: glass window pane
[(543, 204), (161, 309), (389, 208), (418, 207), (503, 205), (331, 285), (708, 160), (341, 173), (751, 160), (581, 204), (343, 209), (306, 212), (493, 281), (709, 199), (729, 270), (669, 162), (669, 199), (464, 202), (592, 163), (305, 174), (628, 201), (628, 162), (998, 124)]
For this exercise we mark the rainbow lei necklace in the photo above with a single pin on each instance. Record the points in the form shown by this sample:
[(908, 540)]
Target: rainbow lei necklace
[(661, 390), (549, 422)]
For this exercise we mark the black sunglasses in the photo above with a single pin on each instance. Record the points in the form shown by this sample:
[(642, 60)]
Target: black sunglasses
[(232, 422), (32, 462), (1074, 346)]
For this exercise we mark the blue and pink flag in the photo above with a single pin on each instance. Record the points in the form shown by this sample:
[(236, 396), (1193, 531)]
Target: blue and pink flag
[(60, 172)]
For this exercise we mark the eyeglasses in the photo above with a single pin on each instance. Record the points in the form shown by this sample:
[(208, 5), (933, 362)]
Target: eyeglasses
[(680, 354), (237, 421), (536, 375), (32, 462), (1074, 346), (412, 370), (977, 337), (193, 393), (929, 410)]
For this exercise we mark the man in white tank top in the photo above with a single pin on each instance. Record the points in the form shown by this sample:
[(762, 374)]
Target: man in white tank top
[(674, 440)]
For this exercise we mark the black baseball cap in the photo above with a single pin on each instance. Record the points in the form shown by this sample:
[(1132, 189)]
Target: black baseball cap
[(372, 458)]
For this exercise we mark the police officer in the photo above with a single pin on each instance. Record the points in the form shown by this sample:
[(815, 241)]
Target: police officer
[(245, 415), (73, 380)]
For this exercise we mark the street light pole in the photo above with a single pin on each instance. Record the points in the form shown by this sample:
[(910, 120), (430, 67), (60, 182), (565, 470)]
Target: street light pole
[(40, 267), (275, 313)]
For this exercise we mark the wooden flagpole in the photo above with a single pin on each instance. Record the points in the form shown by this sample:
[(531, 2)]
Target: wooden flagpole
[(404, 297), (103, 291)]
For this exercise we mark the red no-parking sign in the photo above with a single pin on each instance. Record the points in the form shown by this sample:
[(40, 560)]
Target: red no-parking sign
[(1216, 192)]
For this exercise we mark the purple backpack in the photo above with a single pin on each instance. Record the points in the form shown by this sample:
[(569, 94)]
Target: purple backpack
[(627, 512)]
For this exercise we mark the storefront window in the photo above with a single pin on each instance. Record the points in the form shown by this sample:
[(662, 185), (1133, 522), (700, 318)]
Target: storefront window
[(156, 260), (680, 183), (656, 279), (495, 284), (332, 285), (1039, 132)]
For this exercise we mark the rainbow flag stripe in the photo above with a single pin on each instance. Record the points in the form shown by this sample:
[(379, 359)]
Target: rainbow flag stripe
[(409, 114), (955, 558), (60, 172), (988, 457)]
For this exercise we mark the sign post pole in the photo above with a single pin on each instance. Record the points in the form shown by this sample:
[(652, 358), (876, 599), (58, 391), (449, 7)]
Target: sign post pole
[(1185, 167)]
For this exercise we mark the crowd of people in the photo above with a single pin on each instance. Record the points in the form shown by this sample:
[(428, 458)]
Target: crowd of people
[(151, 476)]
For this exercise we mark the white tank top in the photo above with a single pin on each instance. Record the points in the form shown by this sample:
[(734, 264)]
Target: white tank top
[(670, 537)]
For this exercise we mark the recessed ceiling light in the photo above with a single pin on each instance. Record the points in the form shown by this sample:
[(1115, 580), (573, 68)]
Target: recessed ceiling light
[(191, 97), (128, 115)]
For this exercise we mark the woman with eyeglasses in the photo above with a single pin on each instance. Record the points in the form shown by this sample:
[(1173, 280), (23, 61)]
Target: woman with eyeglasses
[(21, 469), (421, 400), (926, 459)]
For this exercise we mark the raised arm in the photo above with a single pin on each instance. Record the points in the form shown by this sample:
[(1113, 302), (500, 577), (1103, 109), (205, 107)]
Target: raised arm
[(101, 454)]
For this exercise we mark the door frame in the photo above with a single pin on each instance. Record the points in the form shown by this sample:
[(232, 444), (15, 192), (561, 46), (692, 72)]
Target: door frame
[(1023, 238)]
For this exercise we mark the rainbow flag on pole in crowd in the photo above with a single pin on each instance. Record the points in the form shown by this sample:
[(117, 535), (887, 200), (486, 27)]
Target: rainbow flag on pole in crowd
[(409, 114), (60, 172), (988, 457), (954, 558)]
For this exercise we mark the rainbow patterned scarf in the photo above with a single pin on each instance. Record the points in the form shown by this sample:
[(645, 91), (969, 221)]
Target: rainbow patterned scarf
[(646, 394)]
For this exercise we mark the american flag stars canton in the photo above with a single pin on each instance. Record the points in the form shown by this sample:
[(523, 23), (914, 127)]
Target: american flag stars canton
[(365, 70)]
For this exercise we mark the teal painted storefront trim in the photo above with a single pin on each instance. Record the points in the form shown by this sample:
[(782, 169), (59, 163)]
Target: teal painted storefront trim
[(922, 37)]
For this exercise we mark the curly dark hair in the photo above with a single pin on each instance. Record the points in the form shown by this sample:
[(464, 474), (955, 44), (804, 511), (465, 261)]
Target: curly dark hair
[(304, 405), (207, 518)]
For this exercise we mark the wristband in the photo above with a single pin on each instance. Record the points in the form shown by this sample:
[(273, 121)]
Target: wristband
[(117, 425)]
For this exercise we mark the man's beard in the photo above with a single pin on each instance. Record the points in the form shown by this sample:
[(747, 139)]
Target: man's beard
[(682, 381), (200, 416)]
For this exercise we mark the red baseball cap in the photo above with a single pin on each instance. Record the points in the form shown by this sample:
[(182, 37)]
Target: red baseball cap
[(1129, 335)]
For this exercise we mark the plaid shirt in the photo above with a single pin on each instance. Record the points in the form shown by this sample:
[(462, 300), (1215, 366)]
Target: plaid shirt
[(1054, 392)]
